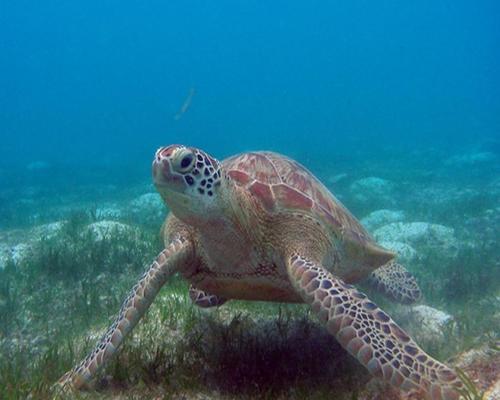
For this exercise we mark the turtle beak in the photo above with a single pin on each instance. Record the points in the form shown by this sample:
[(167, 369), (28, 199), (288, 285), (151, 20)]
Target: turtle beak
[(162, 168)]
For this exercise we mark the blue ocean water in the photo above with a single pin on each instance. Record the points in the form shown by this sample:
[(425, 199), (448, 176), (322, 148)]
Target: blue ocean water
[(99, 82)]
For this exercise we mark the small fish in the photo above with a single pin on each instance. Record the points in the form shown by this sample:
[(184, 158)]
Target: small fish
[(185, 105)]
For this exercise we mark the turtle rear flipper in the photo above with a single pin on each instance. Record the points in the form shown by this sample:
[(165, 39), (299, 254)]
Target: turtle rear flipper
[(203, 299), (370, 335), (393, 280)]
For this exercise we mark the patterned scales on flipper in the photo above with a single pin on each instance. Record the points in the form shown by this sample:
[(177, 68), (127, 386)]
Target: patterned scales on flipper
[(204, 299), (396, 282), (370, 335)]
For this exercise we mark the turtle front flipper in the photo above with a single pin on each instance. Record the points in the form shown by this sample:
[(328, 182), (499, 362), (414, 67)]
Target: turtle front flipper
[(369, 334), (393, 280), (203, 299), (133, 308)]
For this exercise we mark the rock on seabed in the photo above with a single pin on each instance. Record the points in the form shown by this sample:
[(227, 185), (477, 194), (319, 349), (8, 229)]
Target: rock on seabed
[(148, 202), (17, 245), (47, 231), (428, 324), (431, 316), (102, 230), (405, 252), (111, 211), (9, 253), (419, 234), (148, 207), (21, 246), (382, 217)]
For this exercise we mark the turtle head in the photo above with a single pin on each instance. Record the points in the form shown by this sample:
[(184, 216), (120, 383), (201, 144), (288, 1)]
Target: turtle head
[(189, 181)]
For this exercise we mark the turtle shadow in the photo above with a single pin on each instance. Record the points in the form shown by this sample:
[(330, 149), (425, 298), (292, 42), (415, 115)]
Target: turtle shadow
[(271, 356)]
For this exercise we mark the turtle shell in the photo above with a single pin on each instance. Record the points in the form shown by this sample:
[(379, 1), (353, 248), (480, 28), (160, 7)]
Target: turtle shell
[(280, 183)]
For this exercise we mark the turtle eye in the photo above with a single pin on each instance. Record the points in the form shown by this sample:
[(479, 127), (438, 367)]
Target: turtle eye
[(185, 162)]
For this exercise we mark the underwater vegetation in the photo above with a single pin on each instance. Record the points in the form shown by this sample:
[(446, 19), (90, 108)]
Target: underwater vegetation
[(470, 391), (58, 298)]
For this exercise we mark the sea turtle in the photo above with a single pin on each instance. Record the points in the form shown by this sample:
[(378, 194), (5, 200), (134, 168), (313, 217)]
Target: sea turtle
[(260, 226)]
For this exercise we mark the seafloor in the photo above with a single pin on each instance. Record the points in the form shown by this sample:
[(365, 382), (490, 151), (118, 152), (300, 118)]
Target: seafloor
[(71, 248)]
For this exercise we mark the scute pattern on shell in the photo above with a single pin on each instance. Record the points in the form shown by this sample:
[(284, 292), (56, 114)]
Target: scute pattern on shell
[(279, 182)]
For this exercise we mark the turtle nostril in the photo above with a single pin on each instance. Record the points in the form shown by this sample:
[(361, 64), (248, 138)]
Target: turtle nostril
[(167, 151)]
